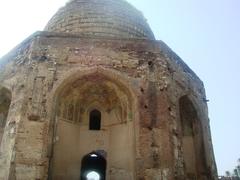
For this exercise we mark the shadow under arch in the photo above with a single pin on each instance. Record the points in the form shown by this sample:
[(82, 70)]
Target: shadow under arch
[(5, 101), (192, 134), (4, 91), (115, 77)]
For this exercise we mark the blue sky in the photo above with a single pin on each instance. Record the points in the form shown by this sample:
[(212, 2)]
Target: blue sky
[(205, 34)]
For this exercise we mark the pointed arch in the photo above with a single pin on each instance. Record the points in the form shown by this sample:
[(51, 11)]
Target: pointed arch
[(192, 140), (100, 89), (95, 120)]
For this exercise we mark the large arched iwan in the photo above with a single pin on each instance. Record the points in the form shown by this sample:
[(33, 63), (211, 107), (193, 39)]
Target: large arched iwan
[(192, 139), (95, 164), (101, 117)]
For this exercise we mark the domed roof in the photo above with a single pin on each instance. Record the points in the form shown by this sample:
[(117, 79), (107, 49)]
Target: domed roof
[(104, 18)]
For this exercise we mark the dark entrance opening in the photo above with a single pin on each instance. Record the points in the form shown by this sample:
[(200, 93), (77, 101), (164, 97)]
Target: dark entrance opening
[(93, 167), (5, 101), (95, 120)]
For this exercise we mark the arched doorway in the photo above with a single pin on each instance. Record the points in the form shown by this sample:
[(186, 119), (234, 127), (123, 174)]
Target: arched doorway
[(192, 141), (93, 167), (94, 112)]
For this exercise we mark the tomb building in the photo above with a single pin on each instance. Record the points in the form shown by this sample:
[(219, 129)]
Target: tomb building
[(95, 95)]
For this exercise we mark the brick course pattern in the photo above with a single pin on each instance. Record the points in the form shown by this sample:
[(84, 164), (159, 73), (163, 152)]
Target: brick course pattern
[(107, 18)]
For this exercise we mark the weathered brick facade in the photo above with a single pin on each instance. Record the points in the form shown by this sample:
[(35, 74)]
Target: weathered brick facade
[(155, 122), (106, 18)]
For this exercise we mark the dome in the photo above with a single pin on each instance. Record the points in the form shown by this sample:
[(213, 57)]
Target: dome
[(104, 18)]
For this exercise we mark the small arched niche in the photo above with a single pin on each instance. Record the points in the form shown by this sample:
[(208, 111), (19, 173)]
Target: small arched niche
[(95, 120), (5, 101), (192, 141), (94, 112)]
